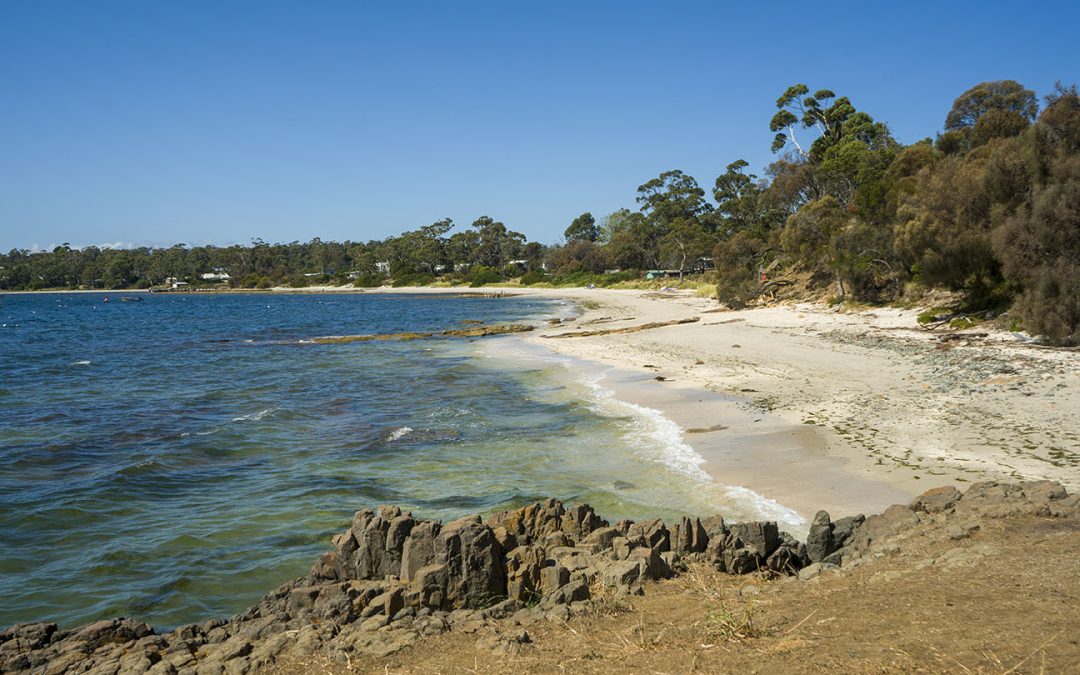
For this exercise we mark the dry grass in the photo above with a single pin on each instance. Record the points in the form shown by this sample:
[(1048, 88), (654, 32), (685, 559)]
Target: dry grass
[(1010, 606)]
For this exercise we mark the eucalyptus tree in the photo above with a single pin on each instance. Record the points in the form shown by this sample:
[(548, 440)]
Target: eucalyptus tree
[(583, 228)]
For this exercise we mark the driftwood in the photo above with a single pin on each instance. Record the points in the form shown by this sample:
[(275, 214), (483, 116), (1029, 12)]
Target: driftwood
[(961, 336), (627, 329)]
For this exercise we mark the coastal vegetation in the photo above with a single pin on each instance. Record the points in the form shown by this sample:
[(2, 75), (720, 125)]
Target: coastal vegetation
[(989, 209)]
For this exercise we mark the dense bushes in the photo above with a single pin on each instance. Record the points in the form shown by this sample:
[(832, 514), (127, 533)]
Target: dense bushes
[(413, 279), (480, 275)]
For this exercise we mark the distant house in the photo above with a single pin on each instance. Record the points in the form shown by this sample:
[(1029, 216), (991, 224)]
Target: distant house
[(661, 274), (215, 276), (383, 267), (174, 283)]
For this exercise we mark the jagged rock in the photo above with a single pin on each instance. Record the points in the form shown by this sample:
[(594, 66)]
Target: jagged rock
[(428, 587), (523, 566), (689, 536), (895, 519), (556, 539), (762, 536), (674, 561), (418, 550), (373, 547), (387, 604), (789, 557), (620, 548), (572, 558), (553, 577), (600, 539), (936, 500), (502, 609), (507, 541), (234, 648), (401, 575), (579, 521), (573, 591), (531, 523), (32, 635), (651, 533), (650, 563), (622, 573), (474, 563), (302, 598), (844, 528), (819, 541), (741, 560)]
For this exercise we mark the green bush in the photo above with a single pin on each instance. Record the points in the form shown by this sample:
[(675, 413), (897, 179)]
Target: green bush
[(413, 279), (369, 281), (480, 275), (533, 277)]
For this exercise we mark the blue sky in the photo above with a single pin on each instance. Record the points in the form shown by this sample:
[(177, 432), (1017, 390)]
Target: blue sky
[(219, 122)]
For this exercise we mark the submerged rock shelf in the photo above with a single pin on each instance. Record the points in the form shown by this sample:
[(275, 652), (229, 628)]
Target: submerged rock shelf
[(478, 331)]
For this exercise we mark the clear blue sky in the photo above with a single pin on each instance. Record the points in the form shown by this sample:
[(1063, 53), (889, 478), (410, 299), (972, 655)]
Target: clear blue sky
[(218, 122)]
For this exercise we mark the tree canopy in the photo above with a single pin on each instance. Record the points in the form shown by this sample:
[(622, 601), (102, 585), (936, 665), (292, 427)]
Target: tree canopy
[(989, 208)]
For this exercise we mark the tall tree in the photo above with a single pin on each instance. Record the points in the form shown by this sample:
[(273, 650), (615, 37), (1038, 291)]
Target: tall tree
[(671, 196), (583, 228), (739, 205), (1000, 95)]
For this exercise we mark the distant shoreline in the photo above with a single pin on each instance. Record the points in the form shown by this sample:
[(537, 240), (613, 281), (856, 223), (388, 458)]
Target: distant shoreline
[(312, 290)]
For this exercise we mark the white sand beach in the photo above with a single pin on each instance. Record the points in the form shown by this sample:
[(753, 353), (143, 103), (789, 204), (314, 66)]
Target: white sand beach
[(843, 411)]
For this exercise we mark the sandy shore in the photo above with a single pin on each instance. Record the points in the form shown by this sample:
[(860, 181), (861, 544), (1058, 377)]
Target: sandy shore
[(815, 408), (849, 412)]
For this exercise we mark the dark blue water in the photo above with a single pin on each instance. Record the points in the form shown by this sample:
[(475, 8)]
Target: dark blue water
[(176, 458)]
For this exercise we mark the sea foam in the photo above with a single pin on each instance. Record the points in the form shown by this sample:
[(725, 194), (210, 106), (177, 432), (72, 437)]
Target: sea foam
[(654, 435)]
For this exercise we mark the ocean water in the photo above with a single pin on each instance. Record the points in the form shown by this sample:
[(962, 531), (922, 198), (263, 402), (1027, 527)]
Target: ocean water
[(176, 458)]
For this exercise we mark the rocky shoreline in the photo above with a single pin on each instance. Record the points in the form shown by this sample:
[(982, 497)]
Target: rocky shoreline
[(393, 580)]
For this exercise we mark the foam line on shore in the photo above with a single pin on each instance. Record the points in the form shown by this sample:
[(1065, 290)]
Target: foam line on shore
[(654, 433), (651, 430)]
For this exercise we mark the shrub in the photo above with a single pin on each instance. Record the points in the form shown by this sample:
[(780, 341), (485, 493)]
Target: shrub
[(413, 279), (533, 277), (480, 275), (737, 261), (369, 281)]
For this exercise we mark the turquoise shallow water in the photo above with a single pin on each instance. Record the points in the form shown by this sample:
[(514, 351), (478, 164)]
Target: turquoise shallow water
[(176, 458)]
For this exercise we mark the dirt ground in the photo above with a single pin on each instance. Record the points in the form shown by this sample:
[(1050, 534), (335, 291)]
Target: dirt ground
[(1004, 600)]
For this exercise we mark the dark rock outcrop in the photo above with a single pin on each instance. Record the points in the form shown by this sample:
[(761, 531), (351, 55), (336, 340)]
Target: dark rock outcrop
[(393, 579)]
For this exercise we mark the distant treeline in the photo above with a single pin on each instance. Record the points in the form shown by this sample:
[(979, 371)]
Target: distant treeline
[(990, 207)]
